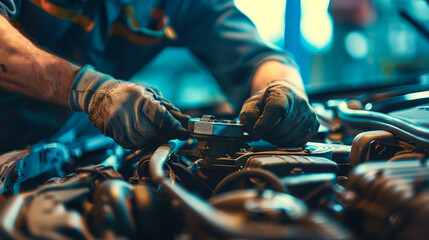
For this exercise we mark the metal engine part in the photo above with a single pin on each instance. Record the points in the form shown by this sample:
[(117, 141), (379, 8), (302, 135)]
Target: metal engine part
[(388, 200)]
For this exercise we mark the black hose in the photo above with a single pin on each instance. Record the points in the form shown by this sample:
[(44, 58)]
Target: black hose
[(249, 173), (221, 223)]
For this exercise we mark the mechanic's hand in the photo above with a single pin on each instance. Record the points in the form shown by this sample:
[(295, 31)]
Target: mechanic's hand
[(280, 114), (130, 113)]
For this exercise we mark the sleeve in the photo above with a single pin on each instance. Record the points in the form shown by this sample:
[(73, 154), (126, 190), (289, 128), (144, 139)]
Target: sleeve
[(224, 40), (10, 8)]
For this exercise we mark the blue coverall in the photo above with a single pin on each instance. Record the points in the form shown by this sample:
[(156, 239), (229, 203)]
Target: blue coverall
[(119, 37)]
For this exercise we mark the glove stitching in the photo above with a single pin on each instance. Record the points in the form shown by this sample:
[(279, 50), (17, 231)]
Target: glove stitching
[(96, 106)]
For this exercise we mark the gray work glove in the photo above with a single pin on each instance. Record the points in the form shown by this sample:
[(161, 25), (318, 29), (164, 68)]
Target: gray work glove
[(130, 113), (280, 114)]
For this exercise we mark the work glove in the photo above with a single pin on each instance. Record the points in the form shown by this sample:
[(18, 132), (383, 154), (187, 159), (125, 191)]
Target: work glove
[(130, 113), (280, 114)]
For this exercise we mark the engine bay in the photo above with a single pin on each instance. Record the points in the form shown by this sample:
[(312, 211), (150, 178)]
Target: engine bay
[(364, 176)]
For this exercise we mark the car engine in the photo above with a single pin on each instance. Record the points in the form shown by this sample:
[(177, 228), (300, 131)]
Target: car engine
[(364, 176)]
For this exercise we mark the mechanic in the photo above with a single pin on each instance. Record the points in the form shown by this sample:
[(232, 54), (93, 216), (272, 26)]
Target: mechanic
[(73, 53)]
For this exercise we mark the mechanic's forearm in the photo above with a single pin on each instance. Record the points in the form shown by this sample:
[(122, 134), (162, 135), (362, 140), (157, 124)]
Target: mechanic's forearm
[(26, 69), (273, 70)]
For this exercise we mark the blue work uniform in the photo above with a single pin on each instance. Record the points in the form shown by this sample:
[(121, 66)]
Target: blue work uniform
[(119, 37)]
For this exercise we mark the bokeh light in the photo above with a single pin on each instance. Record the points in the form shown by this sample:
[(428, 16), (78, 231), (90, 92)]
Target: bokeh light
[(316, 25)]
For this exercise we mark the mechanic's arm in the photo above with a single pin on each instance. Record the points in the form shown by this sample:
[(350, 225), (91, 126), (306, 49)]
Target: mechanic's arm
[(132, 114), (26, 69), (272, 70)]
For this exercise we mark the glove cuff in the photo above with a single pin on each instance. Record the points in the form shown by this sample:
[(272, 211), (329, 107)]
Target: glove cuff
[(84, 86)]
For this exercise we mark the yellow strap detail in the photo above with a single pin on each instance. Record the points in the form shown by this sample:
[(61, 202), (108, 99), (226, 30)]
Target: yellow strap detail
[(63, 13), (131, 12)]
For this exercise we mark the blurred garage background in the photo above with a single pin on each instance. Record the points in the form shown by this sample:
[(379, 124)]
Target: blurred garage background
[(337, 44)]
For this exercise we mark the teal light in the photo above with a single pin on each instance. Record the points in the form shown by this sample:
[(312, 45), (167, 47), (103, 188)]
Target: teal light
[(357, 45), (316, 25), (268, 16)]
